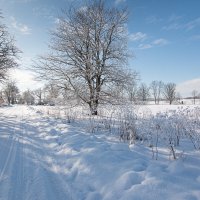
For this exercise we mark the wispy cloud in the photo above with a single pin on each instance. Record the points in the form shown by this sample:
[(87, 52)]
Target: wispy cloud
[(22, 28), (160, 42), (119, 1), (155, 43), (174, 18), (187, 87), (42, 11), (145, 46), (153, 19), (139, 36), (193, 24), (173, 26), (175, 23)]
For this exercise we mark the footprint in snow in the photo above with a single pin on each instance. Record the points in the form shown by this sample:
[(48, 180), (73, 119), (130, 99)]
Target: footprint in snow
[(58, 141), (53, 131), (128, 180)]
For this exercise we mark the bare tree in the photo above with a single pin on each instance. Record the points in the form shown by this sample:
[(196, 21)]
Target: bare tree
[(88, 52), (130, 87), (1, 98), (10, 92), (156, 89), (170, 92), (194, 95), (132, 92), (8, 51), (178, 98), (52, 91), (38, 94), (143, 92), (28, 97)]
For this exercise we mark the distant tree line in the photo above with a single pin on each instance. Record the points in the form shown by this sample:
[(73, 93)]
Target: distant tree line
[(135, 93), (48, 95)]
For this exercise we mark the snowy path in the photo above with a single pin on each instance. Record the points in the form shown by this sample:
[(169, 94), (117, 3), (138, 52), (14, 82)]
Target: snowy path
[(25, 160), (46, 159)]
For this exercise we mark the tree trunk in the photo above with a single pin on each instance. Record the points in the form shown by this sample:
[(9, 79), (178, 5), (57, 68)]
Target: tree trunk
[(93, 108)]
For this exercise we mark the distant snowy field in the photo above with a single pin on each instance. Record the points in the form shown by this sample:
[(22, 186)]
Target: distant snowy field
[(60, 153)]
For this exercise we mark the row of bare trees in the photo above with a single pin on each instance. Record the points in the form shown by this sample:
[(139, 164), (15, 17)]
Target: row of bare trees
[(12, 95), (50, 94), (157, 91), (195, 95)]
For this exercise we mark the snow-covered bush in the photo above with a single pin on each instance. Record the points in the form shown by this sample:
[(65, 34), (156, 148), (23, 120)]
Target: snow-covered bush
[(169, 129), (70, 115), (126, 125), (136, 124)]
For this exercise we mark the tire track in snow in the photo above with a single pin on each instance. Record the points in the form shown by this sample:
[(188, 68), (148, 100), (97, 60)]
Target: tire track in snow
[(11, 187), (16, 183), (17, 191), (7, 184), (12, 142)]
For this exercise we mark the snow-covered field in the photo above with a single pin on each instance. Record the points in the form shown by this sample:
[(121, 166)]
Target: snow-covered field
[(49, 155)]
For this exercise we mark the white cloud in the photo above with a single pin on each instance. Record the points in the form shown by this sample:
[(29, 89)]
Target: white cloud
[(160, 42), (119, 1), (193, 24), (44, 12), (139, 36), (153, 19), (186, 88), (22, 28), (175, 24), (25, 79), (155, 43), (174, 18), (145, 46)]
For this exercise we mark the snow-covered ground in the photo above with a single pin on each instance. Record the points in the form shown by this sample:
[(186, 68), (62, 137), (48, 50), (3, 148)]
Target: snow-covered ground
[(44, 157)]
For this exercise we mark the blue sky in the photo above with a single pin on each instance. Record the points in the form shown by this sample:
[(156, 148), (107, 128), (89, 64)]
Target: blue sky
[(163, 34)]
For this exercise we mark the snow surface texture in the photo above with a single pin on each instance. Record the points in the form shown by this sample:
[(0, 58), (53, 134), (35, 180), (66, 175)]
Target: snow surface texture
[(46, 158)]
